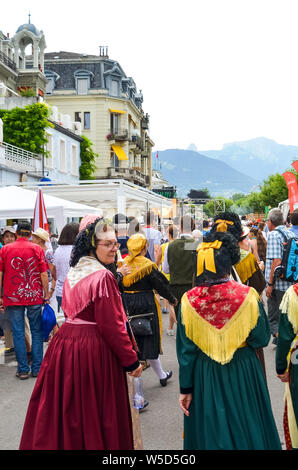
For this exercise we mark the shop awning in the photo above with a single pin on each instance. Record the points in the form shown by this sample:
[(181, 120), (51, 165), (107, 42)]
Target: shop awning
[(117, 111), (119, 152)]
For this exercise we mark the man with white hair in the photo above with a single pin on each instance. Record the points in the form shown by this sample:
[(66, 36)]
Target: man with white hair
[(275, 287)]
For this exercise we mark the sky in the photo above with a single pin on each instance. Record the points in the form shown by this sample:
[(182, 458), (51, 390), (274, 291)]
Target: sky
[(211, 71)]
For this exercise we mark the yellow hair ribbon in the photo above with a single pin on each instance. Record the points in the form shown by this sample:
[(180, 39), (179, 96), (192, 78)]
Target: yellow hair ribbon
[(206, 256), (222, 225)]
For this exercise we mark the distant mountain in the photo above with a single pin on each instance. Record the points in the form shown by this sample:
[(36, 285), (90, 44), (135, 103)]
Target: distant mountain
[(188, 169), (257, 158)]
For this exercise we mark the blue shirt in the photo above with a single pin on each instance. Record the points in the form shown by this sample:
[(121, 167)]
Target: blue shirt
[(275, 249), (294, 229)]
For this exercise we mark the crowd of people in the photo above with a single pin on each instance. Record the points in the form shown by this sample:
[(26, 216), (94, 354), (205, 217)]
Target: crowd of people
[(113, 280)]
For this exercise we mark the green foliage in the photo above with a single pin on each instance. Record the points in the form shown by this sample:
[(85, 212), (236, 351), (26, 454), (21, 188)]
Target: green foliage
[(209, 207), (25, 127), (88, 157), (27, 92), (272, 192)]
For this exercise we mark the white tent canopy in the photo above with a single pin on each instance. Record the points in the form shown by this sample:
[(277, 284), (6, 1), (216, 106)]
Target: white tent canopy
[(19, 203)]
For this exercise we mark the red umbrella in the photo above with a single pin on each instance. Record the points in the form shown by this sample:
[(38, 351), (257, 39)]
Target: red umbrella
[(40, 218)]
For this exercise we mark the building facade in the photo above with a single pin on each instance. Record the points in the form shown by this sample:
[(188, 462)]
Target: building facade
[(97, 94), (15, 73)]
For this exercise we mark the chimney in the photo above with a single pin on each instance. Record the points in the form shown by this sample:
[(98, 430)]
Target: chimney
[(7, 35), (103, 51)]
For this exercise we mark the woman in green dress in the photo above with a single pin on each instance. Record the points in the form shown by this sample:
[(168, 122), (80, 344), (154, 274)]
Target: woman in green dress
[(224, 395), (287, 363)]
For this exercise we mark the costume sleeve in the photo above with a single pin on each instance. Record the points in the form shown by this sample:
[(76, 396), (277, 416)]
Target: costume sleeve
[(259, 337), (187, 355), (285, 337), (160, 283), (110, 317)]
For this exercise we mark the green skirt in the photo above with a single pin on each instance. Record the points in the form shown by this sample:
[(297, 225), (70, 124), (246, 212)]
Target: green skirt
[(230, 408)]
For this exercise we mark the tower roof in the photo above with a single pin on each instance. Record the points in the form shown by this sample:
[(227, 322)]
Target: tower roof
[(31, 27)]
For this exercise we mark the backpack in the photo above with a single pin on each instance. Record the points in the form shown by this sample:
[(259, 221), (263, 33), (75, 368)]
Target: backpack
[(288, 270)]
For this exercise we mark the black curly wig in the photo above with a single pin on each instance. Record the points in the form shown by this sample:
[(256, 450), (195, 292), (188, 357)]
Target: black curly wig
[(224, 257), (85, 243), (235, 229)]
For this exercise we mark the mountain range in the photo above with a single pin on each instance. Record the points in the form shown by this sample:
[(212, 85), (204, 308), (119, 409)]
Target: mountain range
[(188, 169), (237, 167), (257, 158)]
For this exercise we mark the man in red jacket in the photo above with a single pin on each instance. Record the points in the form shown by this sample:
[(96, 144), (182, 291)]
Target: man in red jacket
[(24, 278)]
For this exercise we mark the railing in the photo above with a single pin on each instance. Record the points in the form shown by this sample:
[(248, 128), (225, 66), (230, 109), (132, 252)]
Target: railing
[(20, 159), (129, 174), (138, 141), (7, 61), (120, 134)]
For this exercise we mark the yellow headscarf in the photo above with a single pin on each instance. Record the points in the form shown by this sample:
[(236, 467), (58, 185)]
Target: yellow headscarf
[(135, 244), (140, 265)]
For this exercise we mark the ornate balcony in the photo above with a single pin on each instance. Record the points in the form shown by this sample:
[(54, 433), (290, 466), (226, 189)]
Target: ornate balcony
[(7, 61), (129, 174), (18, 159), (120, 135)]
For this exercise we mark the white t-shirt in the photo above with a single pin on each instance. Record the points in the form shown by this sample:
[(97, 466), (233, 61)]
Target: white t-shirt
[(61, 261), (154, 238)]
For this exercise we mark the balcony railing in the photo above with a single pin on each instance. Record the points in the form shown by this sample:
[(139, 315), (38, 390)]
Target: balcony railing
[(119, 134), (20, 159), (138, 141), (7, 61), (130, 174)]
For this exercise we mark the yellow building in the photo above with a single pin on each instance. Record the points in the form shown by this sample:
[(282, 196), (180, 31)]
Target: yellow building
[(105, 103)]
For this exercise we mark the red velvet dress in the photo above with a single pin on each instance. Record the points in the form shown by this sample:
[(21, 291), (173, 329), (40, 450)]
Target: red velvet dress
[(80, 399)]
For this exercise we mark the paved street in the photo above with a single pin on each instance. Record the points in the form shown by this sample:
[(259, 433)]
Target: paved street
[(162, 421)]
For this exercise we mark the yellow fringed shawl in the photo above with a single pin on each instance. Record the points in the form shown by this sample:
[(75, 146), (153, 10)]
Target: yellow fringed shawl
[(246, 267), (289, 306), (221, 344), (140, 267)]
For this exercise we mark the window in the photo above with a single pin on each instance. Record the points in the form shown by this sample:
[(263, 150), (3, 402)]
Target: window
[(83, 79), (82, 86), (52, 78), (114, 88), (87, 120), (78, 117), (63, 156), (74, 160), (49, 160), (50, 86), (114, 123), (114, 162)]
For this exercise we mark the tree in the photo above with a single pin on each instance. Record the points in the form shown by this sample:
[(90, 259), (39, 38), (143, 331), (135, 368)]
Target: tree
[(88, 157), (274, 190), (199, 194), (209, 207), (25, 127)]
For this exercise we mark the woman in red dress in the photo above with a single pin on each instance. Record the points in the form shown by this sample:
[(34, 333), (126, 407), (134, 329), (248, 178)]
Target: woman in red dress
[(80, 400)]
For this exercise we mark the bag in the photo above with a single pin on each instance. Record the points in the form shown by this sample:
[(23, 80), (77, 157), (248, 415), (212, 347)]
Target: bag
[(48, 321), (288, 270), (138, 394), (141, 324)]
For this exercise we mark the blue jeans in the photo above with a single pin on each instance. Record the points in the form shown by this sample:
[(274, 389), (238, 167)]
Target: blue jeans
[(59, 302), (17, 318)]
